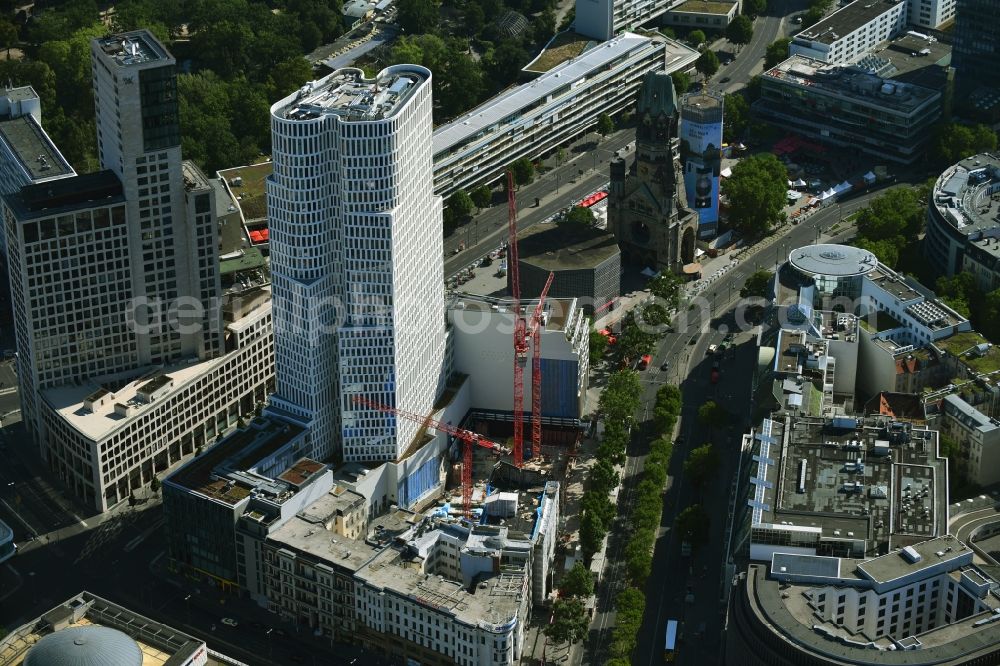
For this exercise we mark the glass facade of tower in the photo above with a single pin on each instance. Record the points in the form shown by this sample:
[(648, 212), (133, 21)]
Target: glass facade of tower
[(976, 51), (160, 118)]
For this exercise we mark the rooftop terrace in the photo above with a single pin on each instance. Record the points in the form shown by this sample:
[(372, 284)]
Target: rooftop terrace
[(845, 82), (349, 95), (975, 351), (239, 451), (809, 477), (962, 196), (34, 151), (564, 46), (137, 47), (704, 7)]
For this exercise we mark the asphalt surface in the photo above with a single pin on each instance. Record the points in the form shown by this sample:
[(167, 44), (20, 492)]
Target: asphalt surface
[(560, 187), (750, 59), (122, 560)]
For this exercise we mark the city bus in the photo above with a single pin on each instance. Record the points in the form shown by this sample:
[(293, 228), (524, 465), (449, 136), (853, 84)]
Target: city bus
[(670, 648)]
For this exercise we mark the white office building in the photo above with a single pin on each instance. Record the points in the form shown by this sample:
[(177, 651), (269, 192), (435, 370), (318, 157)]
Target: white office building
[(27, 154), (174, 259), (851, 32), (933, 14), (536, 117), (603, 19), (356, 246)]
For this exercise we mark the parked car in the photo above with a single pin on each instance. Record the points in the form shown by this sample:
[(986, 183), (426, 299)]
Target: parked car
[(665, 366), (230, 622)]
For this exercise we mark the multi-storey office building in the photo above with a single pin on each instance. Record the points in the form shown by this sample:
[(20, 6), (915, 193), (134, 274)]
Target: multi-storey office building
[(173, 257), (963, 234), (532, 119), (356, 245), (107, 437), (933, 14), (923, 602), (851, 32), (976, 54), (70, 283), (846, 107), (27, 155), (603, 19)]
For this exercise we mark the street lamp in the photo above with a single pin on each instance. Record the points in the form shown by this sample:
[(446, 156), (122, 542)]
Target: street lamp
[(270, 643)]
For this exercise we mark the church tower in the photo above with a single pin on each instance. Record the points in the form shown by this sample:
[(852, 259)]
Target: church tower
[(647, 209)]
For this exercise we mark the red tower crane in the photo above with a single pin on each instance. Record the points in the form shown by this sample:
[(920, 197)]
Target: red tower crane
[(520, 327), (535, 331), (466, 436)]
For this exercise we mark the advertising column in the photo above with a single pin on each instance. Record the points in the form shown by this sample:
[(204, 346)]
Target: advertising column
[(701, 156)]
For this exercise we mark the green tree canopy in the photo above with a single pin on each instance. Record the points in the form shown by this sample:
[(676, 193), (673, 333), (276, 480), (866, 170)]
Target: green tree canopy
[(707, 63), (758, 284), (418, 16), (756, 194), (667, 288), (523, 170), (711, 415), (461, 204), (592, 533), (889, 223), (482, 196), (577, 582), (696, 37), (605, 125), (953, 142), (736, 117), (958, 291), (701, 464), (754, 7), (637, 338), (620, 397), (740, 30), (569, 621), (578, 217), (692, 524), (682, 81), (604, 476), (777, 51), (598, 346)]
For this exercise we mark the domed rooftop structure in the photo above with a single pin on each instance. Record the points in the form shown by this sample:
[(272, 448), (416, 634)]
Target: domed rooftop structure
[(85, 646), (834, 261)]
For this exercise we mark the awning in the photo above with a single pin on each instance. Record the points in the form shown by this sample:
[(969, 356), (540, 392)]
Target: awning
[(692, 269), (869, 177)]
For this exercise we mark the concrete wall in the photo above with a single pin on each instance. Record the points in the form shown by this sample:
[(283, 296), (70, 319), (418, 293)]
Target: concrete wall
[(594, 18)]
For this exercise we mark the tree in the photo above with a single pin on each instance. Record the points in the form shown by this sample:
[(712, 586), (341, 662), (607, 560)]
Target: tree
[(953, 142), (604, 476), (475, 18), (482, 196), (544, 26), (813, 16), (889, 224), (757, 285), (692, 524), (701, 463), (958, 291), (667, 288), (712, 414), (682, 81), (989, 316), (605, 125), (696, 38), (461, 205), (592, 533), (578, 582), (756, 193), (598, 345), (505, 62), (736, 117), (8, 36), (524, 171), (636, 340), (777, 51), (569, 621), (620, 397), (578, 217), (740, 30), (418, 16), (707, 63), (754, 8), (154, 484)]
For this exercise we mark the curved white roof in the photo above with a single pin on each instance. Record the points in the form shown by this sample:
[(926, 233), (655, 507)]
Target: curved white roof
[(832, 260)]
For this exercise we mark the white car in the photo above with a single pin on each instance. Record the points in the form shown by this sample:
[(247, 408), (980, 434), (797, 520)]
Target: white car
[(712, 349), (230, 622)]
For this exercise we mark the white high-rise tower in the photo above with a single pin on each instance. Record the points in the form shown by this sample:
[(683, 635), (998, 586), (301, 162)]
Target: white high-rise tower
[(356, 269)]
